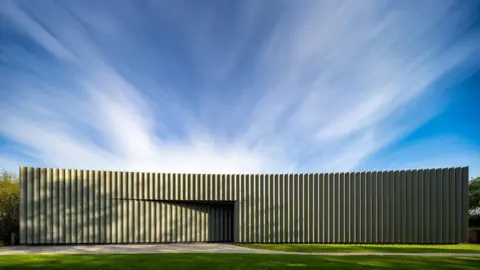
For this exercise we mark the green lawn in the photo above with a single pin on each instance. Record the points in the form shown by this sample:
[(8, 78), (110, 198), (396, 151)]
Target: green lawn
[(463, 248), (232, 261)]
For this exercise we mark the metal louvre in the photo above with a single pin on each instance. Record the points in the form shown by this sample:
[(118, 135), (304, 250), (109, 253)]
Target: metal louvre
[(65, 206)]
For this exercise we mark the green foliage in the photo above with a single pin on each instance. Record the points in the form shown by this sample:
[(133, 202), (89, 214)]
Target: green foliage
[(474, 195), (9, 205)]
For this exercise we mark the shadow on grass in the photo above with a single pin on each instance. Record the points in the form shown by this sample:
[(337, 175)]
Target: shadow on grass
[(232, 261)]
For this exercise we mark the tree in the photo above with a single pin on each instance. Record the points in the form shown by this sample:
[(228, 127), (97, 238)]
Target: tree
[(474, 196), (9, 205)]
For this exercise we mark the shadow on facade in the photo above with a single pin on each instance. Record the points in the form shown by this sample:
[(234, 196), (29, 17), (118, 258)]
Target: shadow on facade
[(201, 221)]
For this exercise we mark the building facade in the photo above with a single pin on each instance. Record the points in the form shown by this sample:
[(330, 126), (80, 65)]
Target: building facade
[(66, 206)]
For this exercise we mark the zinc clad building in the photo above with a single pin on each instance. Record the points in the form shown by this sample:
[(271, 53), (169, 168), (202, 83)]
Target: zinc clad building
[(66, 206)]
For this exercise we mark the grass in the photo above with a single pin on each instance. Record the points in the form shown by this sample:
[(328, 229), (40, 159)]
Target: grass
[(232, 261), (461, 248)]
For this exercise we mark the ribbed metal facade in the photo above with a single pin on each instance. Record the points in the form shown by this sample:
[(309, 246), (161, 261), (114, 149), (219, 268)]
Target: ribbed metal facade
[(63, 206)]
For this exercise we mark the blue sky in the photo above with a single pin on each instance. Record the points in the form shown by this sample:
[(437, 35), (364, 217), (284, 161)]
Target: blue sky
[(240, 86)]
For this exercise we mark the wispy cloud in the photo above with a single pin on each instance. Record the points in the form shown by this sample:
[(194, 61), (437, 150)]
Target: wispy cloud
[(267, 86), (437, 152)]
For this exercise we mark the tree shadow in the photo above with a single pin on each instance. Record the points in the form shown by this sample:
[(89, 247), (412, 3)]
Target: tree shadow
[(233, 261)]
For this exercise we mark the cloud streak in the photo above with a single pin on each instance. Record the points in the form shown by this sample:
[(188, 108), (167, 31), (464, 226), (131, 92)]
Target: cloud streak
[(270, 87)]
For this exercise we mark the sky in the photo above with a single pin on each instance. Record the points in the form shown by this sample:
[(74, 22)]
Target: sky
[(240, 86)]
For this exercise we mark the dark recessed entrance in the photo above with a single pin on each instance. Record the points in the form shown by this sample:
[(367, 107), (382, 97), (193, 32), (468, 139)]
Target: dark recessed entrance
[(198, 221)]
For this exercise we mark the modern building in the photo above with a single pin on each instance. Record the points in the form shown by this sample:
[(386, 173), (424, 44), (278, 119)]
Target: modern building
[(65, 206)]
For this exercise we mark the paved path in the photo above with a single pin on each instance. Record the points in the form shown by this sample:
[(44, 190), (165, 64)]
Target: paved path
[(185, 248), (127, 249)]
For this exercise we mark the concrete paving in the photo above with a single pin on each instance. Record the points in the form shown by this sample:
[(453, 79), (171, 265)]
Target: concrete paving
[(127, 249), (185, 248)]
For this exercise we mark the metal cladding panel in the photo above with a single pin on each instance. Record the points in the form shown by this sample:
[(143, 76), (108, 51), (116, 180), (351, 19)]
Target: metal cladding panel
[(64, 206)]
